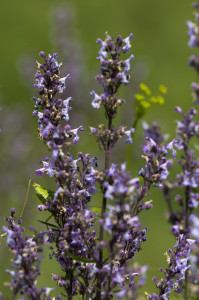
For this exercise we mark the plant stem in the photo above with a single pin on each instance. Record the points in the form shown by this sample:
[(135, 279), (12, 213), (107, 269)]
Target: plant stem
[(186, 221), (101, 234), (129, 151), (71, 286)]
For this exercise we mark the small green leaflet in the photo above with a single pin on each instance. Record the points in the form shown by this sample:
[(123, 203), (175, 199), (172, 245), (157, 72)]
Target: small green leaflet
[(42, 194), (81, 259), (96, 210)]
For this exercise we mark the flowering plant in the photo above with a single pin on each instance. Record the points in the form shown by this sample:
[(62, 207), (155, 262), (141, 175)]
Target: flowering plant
[(96, 247)]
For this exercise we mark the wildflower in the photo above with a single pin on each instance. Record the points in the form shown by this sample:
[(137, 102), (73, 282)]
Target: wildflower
[(178, 258), (25, 263)]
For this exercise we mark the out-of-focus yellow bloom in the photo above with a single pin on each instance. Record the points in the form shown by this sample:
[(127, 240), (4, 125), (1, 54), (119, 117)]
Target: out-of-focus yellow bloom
[(139, 97), (145, 99), (162, 89), (153, 99), (145, 104), (145, 89), (160, 100)]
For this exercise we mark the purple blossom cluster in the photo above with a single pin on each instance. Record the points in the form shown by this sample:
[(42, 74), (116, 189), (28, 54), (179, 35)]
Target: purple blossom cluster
[(182, 199), (26, 259), (193, 34), (74, 242), (95, 246), (113, 72), (178, 264), (188, 178), (181, 195)]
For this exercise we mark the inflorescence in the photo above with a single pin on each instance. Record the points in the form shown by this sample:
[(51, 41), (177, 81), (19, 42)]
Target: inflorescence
[(96, 246)]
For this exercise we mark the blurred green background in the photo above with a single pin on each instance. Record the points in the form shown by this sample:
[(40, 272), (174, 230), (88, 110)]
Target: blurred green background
[(71, 28)]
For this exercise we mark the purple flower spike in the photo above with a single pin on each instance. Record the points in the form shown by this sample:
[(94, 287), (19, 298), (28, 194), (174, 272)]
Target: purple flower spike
[(113, 72), (25, 263), (75, 180), (177, 259)]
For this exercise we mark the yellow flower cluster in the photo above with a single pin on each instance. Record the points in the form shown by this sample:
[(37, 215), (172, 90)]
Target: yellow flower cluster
[(146, 98)]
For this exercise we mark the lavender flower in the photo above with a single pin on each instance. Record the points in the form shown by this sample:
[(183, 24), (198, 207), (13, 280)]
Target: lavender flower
[(126, 198), (25, 264), (156, 169), (154, 132), (72, 236), (183, 218), (188, 178), (193, 34), (119, 220), (96, 247), (174, 274), (113, 73)]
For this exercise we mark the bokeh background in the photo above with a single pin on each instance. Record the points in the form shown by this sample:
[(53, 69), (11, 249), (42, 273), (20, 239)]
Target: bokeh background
[(71, 28)]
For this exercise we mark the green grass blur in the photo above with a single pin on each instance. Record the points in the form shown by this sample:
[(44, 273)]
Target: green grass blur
[(161, 55)]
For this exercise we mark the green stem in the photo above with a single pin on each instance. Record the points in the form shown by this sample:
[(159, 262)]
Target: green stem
[(186, 221), (129, 151), (101, 234), (128, 156), (70, 297)]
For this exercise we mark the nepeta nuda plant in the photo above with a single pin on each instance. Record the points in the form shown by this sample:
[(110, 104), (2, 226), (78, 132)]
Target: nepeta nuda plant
[(26, 262), (96, 248), (183, 213), (78, 250)]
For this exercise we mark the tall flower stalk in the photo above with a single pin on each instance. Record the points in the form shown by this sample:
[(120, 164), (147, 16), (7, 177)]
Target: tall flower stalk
[(72, 236), (181, 193), (26, 260), (113, 73), (89, 270), (121, 220), (182, 200), (94, 248)]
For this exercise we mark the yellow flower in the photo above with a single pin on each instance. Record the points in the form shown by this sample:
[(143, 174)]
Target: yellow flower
[(139, 97), (144, 88), (162, 89), (160, 100), (153, 99), (145, 104)]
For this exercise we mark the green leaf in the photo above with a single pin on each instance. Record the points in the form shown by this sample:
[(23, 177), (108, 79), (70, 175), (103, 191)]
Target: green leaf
[(96, 210), (42, 194), (82, 259), (48, 224)]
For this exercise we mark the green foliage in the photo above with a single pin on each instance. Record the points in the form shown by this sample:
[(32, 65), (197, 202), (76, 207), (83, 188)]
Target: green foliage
[(42, 194), (81, 259), (96, 210)]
